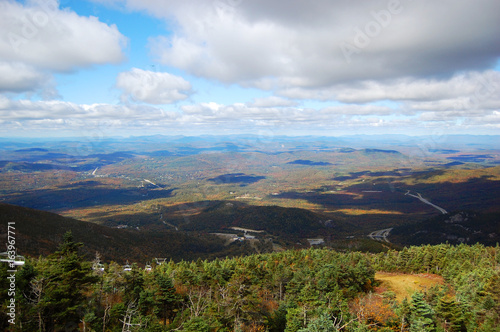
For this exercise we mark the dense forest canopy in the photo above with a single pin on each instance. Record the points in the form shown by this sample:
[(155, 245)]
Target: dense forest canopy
[(296, 290)]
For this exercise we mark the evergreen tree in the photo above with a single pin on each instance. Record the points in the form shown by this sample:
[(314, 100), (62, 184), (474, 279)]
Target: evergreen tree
[(493, 290), (421, 318), (323, 323), (165, 296), (449, 310), (67, 277), (134, 284), (404, 312)]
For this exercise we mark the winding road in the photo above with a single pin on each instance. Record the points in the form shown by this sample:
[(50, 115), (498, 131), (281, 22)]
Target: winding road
[(443, 211), (380, 235)]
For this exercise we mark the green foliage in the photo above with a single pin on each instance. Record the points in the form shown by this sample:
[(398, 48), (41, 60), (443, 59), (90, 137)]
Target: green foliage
[(56, 288), (165, 298), (323, 323), (469, 270), (421, 318), (260, 292), (300, 290), (196, 325), (451, 313), (277, 321)]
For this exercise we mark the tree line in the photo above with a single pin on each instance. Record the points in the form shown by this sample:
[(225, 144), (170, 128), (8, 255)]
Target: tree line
[(296, 290)]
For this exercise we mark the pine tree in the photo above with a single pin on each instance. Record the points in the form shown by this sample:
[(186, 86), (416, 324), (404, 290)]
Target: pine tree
[(67, 277), (421, 318), (493, 290), (165, 296), (449, 310), (404, 312)]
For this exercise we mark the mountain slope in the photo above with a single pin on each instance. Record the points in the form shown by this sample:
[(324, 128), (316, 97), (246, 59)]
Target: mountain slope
[(39, 233)]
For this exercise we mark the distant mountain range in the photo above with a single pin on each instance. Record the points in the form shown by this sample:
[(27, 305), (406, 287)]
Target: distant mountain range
[(236, 142)]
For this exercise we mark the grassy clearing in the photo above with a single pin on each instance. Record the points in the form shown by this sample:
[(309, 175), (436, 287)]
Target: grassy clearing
[(404, 285)]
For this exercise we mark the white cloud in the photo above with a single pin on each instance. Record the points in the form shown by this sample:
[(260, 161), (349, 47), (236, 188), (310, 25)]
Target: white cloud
[(298, 44), (152, 87), (42, 35), (360, 110), (38, 38), (39, 116), (18, 77), (272, 101), (14, 110), (235, 113), (490, 120), (421, 56), (418, 64), (471, 91)]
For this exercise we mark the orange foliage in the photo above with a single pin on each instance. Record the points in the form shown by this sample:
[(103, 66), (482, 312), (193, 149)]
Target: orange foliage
[(372, 310), (180, 289), (254, 327)]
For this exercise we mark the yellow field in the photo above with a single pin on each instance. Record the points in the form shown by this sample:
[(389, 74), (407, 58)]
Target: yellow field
[(404, 285), (357, 212)]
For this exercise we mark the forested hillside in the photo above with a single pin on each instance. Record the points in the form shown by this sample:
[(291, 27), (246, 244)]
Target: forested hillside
[(306, 290), (40, 232)]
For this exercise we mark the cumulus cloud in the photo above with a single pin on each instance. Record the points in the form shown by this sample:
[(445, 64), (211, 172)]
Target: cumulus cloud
[(211, 115), (384, 64), (299, 44), (421, 56), (42, 35), (63, 110), (38, 38), (152, 87), (18, 77), (474, 85)]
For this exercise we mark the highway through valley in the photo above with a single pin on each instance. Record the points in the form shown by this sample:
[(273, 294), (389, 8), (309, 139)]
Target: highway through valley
[(443, 211), (380, 235)]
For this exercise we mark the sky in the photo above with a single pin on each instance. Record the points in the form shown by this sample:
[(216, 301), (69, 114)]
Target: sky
[(282, 67)]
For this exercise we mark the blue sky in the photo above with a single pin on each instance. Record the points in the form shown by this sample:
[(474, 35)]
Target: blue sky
[(131, 67)]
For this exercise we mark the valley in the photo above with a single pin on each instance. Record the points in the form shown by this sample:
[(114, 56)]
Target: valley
[(240, 234), (346, 192)]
